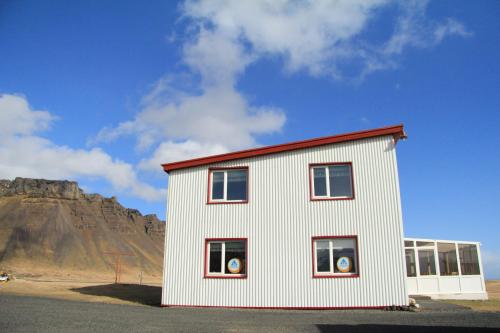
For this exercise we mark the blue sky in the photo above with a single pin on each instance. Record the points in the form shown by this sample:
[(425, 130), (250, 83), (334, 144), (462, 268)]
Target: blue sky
[(102, 94)]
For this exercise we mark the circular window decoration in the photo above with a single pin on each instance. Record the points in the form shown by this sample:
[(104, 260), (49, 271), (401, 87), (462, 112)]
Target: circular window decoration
[(344, 264), (234, 265)]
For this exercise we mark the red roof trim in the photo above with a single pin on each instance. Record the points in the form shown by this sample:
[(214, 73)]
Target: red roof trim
[(396, 131)]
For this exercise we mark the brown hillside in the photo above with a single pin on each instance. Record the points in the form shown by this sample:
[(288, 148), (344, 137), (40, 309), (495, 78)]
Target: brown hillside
[(52, 226)]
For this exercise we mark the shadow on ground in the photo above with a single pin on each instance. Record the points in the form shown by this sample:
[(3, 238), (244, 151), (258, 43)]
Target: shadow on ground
[(142, 294), (372, 328)]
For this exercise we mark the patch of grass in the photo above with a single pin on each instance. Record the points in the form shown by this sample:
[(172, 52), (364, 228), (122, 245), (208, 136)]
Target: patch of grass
[(491, 305)]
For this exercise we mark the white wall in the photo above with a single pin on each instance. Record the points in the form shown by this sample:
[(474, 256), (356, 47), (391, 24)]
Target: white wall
[(279, 221)]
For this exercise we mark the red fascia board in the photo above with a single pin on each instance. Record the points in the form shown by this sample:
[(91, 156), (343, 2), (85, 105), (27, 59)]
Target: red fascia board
[(396, 131)]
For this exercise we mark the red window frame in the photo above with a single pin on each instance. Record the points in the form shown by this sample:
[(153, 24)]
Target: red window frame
[(311, 193), (335, 275), (208, 275), (209, 189)]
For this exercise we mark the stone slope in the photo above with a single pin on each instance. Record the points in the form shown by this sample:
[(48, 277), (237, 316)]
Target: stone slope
[(55, 225)]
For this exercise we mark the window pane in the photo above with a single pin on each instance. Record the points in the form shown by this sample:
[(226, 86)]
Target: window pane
[(237, 184), (215, 258), (323, 256), (409, 243), (469, 262), (218, 185), (319, 182), (235, 258), (340, 180), (411, 269), (426, 262), (425, 243), (447, 259), (344, 255)]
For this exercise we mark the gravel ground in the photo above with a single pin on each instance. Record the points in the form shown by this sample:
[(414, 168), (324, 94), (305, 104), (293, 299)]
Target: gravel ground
[(37, 314)]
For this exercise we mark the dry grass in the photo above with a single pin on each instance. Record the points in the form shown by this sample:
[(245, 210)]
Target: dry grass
[(88, 287), (491, 305)]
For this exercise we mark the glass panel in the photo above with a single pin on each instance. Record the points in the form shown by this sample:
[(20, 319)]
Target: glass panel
[(411, 269), (409, 243), (427, 262), (217, 185), (215, 258), (469, 261), (344, 255), (447, 259), (323, 256), (235, 258), (319, 182), (237, 184), (340, 180), (425, 243)]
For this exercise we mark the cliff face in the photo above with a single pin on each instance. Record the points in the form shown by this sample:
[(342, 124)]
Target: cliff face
[(47, 223)]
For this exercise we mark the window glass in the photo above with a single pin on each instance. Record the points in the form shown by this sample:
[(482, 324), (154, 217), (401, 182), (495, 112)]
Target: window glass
[(426, 262), (215, 258), (340, 180), (218, 185), (411, 269), (335, 256), (320, 182), (323, 256), (409, 243), (237, 184), (447, 254), (425, 243), (235, 258), (469, 261), (344, 248)]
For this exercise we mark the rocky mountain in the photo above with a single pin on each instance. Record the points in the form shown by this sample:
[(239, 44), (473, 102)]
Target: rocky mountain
[(53, 225)]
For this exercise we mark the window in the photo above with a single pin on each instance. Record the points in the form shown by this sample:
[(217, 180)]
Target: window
[(469, 261), (447, 254), (228, 185), (335, 256), (226, 258), (331, 181), (409, 243), (426, 262), (411, 268)]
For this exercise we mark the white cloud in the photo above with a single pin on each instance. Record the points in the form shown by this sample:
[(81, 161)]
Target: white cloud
[(414, 30), (24, 154), (178, 151), (16, 118), (449, 28), (309, 35), (204, 109)]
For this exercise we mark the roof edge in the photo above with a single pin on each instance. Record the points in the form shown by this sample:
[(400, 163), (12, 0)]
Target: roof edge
[(396, 131)]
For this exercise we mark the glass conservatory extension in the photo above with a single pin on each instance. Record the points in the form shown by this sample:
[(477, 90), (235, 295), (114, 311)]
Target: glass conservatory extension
[(444, 269)]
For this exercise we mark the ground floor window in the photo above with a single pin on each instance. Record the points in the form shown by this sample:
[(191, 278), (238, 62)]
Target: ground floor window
[(335, 256), (441, 258), (447, 253), (426, 262), (411, 267), (226, 258), (469, 260)]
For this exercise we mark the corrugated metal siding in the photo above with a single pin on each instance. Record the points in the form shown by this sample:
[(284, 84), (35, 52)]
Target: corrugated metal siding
[(279, 221)]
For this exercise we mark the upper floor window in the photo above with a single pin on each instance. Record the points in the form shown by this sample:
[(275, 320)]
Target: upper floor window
[(331, 181), (228, 185)]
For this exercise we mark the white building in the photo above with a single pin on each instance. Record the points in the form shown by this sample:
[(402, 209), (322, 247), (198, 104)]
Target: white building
[(315, 224)]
